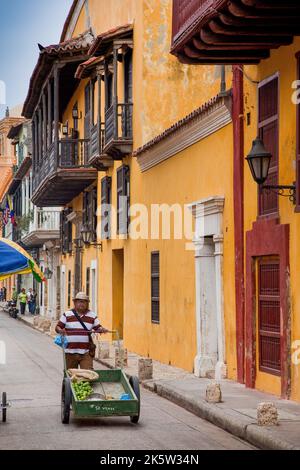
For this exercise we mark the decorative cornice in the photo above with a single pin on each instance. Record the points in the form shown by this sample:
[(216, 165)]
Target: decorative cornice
[(209, 206), (198, 125)]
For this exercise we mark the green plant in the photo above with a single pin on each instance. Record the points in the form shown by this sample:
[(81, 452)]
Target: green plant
[(23, 222)]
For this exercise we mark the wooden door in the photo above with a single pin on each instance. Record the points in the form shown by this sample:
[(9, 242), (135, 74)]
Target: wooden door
[(269, 316)]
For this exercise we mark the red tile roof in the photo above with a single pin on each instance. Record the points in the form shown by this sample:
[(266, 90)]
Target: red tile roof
[(85, 67), (101, 42), (75, 46)]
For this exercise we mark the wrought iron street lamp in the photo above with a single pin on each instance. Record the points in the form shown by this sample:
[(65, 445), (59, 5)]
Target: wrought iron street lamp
[(48, 273), (76, 114), (259, 160), (86, 235), (65, 129)]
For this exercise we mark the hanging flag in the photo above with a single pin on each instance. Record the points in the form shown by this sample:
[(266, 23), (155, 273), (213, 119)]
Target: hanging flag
[(11, 212), (6, 213)]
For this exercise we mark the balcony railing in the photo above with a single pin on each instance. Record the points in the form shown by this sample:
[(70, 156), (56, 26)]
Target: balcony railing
[(94, 147), (118, 122), (72, 153), (185, 12), (112, 138), (44, 226), (45, 221)]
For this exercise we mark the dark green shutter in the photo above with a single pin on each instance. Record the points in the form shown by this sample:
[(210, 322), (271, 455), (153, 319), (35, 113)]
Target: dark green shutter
[(155, 290)]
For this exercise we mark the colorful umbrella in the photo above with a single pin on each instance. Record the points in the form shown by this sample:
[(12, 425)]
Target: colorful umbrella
[(15, 260)]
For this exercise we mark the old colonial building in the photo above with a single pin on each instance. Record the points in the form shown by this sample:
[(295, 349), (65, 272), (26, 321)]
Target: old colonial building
[(8, 161), (129, 138), (117, 122)]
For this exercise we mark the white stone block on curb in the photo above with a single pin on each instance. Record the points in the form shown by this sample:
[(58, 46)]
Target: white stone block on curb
[(145, 371), (213, 393), (103, 349), (52, 328), (267, 414), (121, 358)]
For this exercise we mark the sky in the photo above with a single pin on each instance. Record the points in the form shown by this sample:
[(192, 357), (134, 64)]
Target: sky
[(24, 24)]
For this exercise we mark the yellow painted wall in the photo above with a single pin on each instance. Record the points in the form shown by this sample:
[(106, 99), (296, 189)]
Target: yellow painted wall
[(173, 341), (81, 24), (282, 61)]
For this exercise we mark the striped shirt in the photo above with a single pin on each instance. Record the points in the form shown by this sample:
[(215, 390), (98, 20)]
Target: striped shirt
[(78, 338)]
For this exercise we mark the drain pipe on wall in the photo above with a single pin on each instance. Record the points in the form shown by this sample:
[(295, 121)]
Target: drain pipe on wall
[(238, 197)]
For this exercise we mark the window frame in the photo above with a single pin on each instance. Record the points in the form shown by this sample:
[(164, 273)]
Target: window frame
[(155, 299), (260, 126)]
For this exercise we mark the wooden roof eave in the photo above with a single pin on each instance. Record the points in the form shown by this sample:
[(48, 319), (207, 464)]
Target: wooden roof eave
[(251, 27)]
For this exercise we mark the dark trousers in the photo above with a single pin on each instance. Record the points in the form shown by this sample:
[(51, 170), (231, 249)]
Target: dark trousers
[(22, 308)]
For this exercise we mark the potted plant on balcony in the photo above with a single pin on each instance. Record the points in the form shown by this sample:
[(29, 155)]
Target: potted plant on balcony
[(23, 222)]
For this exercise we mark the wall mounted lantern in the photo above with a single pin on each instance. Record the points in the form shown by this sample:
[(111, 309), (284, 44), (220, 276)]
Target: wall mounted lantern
[(65, 129), (48, 273), (76, 114), (86, 235), (259, 160)]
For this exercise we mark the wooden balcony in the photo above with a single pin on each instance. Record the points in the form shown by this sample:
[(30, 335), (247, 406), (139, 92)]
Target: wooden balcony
[(118, 138), (232, 31), (113, 139), (97, 158), (62, 173)]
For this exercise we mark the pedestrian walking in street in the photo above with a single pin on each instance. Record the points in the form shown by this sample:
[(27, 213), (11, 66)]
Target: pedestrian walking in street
[(23, 301), (4, 294), (77, 325), (29, 300), (14, 295), (1, 294), (33, 301)]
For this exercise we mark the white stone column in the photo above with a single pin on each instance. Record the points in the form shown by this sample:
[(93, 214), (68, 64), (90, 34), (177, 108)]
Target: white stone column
[(210, 321), (207, 342), (221, 368)]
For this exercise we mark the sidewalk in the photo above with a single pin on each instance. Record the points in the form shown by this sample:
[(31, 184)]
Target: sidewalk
[(236, 414)]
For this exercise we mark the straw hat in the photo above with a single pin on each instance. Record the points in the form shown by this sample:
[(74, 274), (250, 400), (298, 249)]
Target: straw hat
[(82, 296)]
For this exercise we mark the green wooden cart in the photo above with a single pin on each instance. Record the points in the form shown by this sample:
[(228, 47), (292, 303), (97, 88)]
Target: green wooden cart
[(113, 383)]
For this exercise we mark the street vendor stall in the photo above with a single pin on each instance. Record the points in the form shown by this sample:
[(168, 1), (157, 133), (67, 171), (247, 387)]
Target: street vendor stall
[(15, 260)]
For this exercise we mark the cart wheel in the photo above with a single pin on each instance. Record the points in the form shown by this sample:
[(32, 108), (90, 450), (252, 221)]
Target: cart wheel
[(134, 382), (66, 400), (4, 404)]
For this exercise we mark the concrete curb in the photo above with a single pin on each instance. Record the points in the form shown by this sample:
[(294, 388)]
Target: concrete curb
[(31, 325), (231, 421)]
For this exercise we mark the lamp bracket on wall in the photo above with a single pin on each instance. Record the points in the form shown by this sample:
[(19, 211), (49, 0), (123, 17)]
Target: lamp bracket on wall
[(282, 190)]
